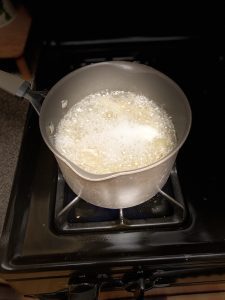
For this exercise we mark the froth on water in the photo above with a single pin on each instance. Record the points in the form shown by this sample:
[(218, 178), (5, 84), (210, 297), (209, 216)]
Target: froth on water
[(115, 131)]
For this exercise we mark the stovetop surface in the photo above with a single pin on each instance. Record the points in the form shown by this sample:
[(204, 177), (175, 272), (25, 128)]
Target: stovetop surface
[(73, 214), (30, 240)]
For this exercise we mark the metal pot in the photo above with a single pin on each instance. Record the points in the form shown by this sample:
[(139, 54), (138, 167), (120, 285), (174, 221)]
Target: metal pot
[(122, 189)]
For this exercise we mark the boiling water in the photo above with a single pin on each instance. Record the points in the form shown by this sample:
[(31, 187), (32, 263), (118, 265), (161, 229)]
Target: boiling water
[(115, 131)]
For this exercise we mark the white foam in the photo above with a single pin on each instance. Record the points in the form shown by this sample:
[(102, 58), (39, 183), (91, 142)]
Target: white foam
[(115, 131)]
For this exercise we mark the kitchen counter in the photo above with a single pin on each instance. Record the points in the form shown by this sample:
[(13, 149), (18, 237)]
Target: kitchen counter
[(12, 119)]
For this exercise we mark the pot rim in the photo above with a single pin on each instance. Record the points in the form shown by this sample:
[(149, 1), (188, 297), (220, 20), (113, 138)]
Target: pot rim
[(99, 177)]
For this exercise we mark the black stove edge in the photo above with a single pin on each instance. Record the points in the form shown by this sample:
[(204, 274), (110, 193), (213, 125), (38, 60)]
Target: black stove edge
[(196, 261), (121, 40), (10, 214)]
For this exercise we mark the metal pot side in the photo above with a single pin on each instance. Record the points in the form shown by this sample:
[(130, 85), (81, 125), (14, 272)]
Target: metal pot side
[(124, 189)]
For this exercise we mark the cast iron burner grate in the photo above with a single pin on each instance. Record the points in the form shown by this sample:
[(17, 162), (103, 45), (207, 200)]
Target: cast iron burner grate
[(73, 214)]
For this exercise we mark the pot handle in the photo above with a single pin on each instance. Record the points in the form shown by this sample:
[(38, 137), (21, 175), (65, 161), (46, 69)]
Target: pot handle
[(10, 83), (18, 87)]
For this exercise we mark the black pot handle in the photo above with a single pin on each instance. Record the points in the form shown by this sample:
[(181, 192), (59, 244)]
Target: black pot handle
[(84, 291)]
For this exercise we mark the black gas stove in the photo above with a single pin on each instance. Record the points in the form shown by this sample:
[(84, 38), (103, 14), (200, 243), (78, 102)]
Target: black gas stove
[(180, 231), (73, 215)]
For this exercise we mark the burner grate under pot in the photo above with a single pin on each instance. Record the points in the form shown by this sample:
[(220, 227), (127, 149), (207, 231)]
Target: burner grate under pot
[(73, 214)]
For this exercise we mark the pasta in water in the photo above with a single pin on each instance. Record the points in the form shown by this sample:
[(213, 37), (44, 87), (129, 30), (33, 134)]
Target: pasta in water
[(115, 131)]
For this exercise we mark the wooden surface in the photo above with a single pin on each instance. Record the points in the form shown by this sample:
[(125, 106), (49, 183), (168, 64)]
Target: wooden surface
[(210, 287), (13, 37), (169, 292), (7, 293)]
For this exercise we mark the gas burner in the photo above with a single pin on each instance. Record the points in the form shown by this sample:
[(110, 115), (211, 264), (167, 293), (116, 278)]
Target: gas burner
[(73, 214)]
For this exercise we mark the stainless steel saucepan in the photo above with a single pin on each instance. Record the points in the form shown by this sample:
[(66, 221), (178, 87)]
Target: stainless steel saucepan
[(115, 190)]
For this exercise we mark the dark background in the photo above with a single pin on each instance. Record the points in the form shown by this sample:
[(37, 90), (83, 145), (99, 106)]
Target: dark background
[(80, 20)]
